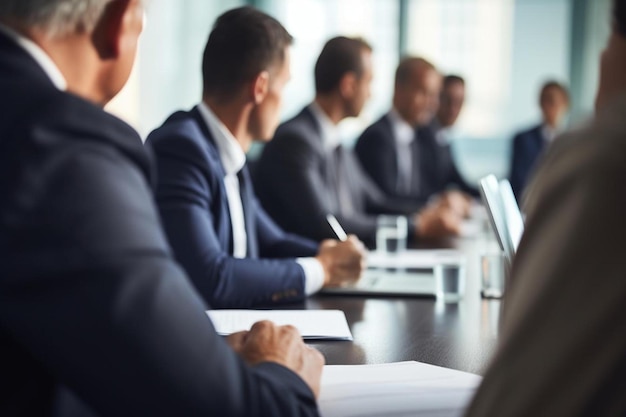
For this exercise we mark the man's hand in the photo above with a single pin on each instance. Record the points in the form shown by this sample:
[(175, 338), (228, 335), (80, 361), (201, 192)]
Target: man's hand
[(266, 342), (437, 221), (343, 262), (457, 201)]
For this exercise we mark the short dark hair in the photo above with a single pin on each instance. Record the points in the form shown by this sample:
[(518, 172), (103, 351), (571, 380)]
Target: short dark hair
[(406, 67), (243, 43), (451, 79), (553, 84), (619, 17), (339, 56)]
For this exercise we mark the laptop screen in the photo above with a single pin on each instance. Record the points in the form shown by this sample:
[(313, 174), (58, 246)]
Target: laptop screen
[(504, 214)]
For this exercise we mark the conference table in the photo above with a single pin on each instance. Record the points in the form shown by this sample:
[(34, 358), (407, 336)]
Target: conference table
[(459, 335)]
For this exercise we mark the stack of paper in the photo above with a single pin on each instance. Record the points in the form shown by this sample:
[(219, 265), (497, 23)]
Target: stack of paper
[(396, 389), (312, 324)]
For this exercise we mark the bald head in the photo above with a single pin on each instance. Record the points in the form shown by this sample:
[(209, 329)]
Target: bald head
[(416, 92)]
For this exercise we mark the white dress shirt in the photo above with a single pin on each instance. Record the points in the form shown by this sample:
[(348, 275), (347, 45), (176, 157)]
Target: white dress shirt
[(233, 160), (39, 55), (549, 133), (331, 136), (404, 135)]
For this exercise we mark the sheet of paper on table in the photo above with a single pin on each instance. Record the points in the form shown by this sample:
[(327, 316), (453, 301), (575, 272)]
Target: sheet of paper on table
[(312, 324), (414, 258), (395, 389)]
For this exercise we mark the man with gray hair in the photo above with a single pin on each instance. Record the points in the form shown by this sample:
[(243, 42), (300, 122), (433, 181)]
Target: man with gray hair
[(91, 302)]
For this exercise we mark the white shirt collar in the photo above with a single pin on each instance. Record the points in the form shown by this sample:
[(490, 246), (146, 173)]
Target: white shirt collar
[(330, 133), (404, 133), (39, 55), (549, 133), (231, 154)]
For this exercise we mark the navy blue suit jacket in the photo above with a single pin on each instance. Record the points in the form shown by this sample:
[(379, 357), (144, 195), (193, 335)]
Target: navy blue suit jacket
[(433, 167), (192, 201), (90, 296), (527, 148)]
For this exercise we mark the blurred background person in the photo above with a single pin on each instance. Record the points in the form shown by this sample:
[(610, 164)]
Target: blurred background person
[(399, 151), (305, 173), (451, 102), (530, 144)]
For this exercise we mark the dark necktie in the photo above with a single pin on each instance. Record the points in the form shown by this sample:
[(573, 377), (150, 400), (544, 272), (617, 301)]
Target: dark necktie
[(247, 199), (342, 185)]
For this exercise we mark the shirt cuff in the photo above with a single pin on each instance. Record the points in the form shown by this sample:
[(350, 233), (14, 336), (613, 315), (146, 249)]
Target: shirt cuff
[(313, 274)]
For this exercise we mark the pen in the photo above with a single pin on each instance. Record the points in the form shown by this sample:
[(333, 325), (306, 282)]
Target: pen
[(334, 224)]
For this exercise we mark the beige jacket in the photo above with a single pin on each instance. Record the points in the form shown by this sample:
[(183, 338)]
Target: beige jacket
[(562, 349)]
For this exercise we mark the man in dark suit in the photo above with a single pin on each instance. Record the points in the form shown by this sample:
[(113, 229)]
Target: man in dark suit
[(304, 173), (95, 315), (562, 342), (530, 144), (451, 101), (232, 250), (400, 152)]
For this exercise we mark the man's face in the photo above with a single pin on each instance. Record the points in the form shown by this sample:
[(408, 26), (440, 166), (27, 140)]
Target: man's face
[(554, 105), (362, 92), (265, 117), (452, 99), (418, 100)]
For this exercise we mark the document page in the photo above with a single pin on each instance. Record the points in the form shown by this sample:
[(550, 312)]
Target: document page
[(414, 258), (395, 389), (312, 324)]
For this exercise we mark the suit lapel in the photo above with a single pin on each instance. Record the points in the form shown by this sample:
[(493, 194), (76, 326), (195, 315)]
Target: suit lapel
[(223, 222), (329, 166)]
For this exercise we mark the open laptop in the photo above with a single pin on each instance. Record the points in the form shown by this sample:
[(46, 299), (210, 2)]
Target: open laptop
[(504, 214), (407, 274)]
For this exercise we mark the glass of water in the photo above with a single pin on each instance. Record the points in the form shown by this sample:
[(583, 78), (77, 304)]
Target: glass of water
[(391, 234), (450, 281)]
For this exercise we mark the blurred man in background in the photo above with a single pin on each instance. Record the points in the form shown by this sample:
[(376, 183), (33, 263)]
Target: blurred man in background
[(451, 102), (530, 144), (399, 151), (305, 173)]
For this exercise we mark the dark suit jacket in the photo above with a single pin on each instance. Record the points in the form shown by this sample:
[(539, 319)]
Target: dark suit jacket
[(192, 201), (296, 180), (90, 296), (527, 147), (433, 167)]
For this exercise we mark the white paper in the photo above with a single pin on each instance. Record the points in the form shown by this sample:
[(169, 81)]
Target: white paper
[(312, 324), (414, 258), (395, 389)]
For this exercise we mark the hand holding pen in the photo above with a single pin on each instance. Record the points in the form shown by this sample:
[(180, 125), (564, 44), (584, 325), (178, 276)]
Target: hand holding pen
[(343, 260)]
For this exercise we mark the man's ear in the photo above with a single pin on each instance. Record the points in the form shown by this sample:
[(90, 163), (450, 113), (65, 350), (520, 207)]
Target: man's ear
[(260, 87), (348, 85), (108, 34)]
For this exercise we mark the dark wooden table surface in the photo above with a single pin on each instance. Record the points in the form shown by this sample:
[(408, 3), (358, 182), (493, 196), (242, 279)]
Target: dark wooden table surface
[(460, 335)]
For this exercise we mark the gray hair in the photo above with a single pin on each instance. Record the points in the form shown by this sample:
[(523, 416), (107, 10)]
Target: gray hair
[(54, 17)]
